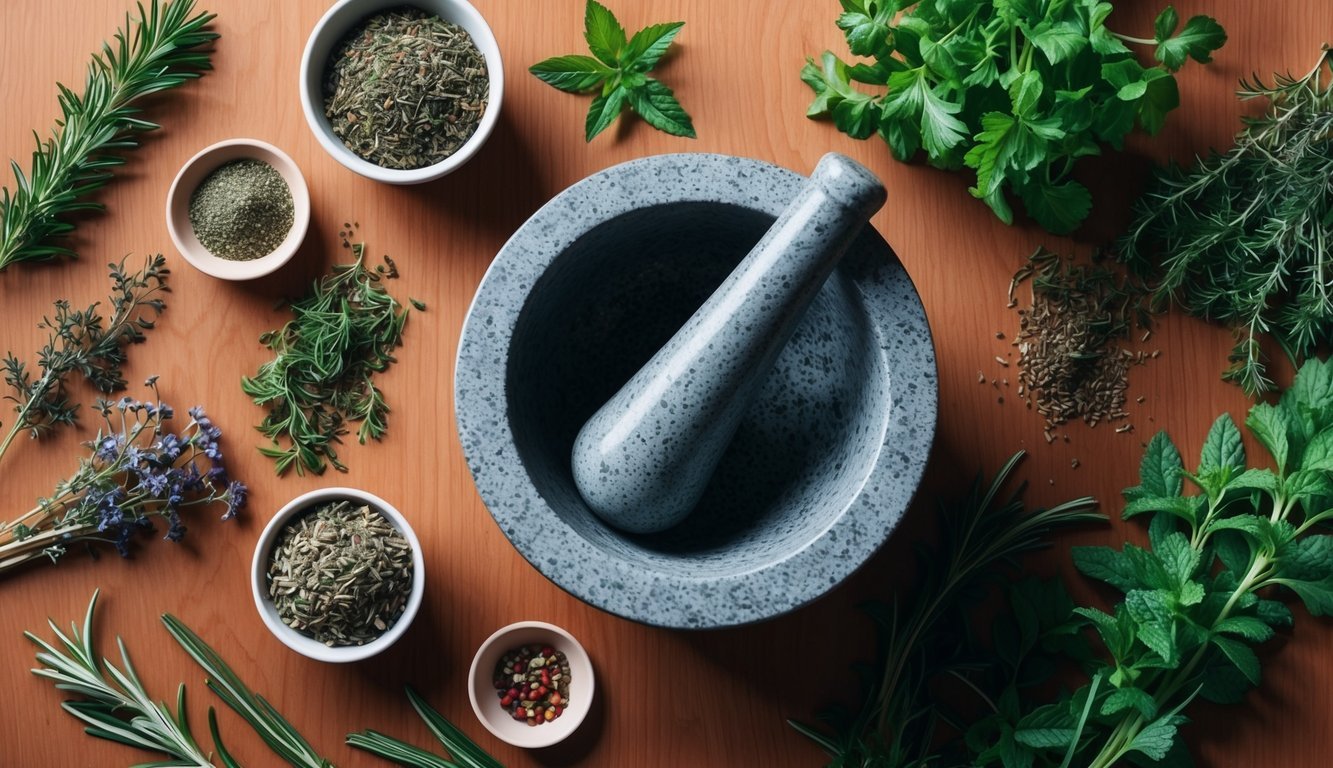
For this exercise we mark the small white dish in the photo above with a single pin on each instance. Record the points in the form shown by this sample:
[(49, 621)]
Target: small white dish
[(193, 173), (486, 705), (342, 18), (301, 643)]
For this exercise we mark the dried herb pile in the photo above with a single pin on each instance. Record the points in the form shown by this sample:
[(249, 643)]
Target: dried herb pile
[(340, 574), (242, 211), (405, 89), (1073, 339)]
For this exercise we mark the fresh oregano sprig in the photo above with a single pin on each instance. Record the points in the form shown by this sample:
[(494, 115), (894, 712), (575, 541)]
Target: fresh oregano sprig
[(1015, 90), (618, 71), (84, 342), (166, 46), (1242, 238), (113, 703), (322, 374)]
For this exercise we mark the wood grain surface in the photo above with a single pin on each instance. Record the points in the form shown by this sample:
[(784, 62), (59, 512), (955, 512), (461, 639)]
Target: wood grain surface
[(664, 698)]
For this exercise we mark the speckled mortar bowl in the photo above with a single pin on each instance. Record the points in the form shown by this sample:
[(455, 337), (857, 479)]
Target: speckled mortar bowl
[(824, 463)]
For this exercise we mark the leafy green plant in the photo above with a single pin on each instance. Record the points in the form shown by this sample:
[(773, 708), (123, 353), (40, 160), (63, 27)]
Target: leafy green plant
[(325, 359), (164, 48), (1016, 90), (1242, 237), (618, 72)]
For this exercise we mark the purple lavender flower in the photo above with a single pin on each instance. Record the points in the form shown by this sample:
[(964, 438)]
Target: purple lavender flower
[(169, 446), (109, 447), (176, 528), (235, 495)]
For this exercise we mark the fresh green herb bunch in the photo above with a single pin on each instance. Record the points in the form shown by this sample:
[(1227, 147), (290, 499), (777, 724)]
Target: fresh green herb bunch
[(928, 640), (326, 357), (83, 341), (1016, 90), (462, 751), (1242, 237), (619, 74), (136, 470), (164, 48)]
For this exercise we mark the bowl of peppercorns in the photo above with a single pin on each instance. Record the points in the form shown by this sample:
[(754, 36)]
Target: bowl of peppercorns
[(531, 684)]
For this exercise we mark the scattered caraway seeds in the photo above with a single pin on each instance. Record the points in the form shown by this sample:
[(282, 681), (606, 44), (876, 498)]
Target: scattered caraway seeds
[(340, 573), (532, 683), (325, 359), (242, 210), (1072, 362), (405, 89)]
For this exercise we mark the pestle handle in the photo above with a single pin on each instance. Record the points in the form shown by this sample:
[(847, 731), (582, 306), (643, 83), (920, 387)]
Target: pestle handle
[(644, 459)]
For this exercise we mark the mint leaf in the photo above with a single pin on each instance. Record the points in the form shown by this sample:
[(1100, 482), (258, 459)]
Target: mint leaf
[(1222, 449), (1240, 655), (1201, 36), (574, 74), (649, 44), (1159, 470), (1130, 698), (1269, 425), (603, 32), (1157, 738), (657, 105), (1105, 564), (605, 109), (1248, 627)]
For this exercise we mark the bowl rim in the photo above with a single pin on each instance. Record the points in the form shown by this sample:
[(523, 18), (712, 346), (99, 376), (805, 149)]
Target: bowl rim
[(225, 269), (307, 646), (335, 23), (525, 516), (557, 730)]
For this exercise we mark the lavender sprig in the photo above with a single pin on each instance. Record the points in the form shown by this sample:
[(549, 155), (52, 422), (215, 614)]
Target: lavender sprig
[(136, 470)]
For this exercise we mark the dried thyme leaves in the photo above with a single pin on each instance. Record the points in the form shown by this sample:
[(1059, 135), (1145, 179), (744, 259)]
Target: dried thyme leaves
[(1072, 359), (242, 211), (340, 574), (405, 89)]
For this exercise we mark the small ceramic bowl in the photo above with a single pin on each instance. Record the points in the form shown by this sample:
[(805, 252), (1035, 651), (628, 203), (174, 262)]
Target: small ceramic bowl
[(486, 705), (336, 23), (193, 173), (307, 646)]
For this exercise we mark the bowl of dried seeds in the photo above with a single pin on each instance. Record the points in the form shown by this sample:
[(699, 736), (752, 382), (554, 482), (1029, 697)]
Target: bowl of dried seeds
[(338, 575), (238, 209), (402, 93), (531, 684)]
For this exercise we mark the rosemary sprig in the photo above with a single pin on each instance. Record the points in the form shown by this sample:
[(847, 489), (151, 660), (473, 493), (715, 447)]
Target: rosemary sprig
[(83, 341), (462, 752), (325, 359), (162, 49), (115, 705), (271, 726), (1242, 238)]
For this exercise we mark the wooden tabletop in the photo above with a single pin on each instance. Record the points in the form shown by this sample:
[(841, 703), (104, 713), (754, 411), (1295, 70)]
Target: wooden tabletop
[(664, 697)]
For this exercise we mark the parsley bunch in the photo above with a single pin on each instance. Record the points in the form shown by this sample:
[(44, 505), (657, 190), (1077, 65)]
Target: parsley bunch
[(1242, 237), (1016, 90), (619, 74)]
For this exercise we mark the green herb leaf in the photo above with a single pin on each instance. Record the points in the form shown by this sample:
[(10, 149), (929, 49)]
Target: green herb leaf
[(1160, 469), (1222, 449), (912, 98), (605, 36), (1059, 41), (657, 105), (575, 74), (1058, 208), (1201, 36), (1158, 737), (649, 44), (604, 110)]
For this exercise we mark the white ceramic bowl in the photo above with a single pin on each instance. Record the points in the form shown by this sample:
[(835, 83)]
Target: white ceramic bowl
[(336, 23), (486, 705), (307, 646), (193, 173)]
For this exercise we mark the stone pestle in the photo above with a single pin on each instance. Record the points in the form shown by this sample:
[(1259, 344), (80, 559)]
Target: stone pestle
[(643, 460)]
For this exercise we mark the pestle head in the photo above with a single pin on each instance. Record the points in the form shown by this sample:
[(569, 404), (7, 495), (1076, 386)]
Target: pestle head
[(850, 183)]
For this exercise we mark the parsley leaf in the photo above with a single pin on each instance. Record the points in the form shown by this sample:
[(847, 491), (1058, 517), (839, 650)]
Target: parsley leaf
[(619, 74)]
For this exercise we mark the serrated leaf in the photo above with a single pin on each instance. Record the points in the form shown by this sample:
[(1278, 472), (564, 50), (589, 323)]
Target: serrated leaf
[(911, 97), (1310, 399), (1130, 698), (1201, 36), (605, 36), (1308, 559), (574, 74), (1304, 484), (1248, 627), (865, 34), (1156, 739), (1241, 656), (1184, 507), (604, 110), (1046, 727), (1059, 41), (1058, 207), (1255, 480), (1178, 558), (1105, 564), (657, 105), (649, 45), (1159, 470), (1316, 595), (1160, 640), (1318, 453), (1223, 449)]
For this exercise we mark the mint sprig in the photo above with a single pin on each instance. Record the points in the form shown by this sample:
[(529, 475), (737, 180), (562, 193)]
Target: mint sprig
[(618, 72)]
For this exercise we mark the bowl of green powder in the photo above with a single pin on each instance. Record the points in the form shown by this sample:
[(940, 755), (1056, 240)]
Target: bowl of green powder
[(402, 93), (338, 575), (238, 209)]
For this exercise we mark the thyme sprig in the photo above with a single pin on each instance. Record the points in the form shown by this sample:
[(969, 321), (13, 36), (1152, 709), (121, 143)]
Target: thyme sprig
[(162, 49), (1243, 238), (322, 374), (84, 342)]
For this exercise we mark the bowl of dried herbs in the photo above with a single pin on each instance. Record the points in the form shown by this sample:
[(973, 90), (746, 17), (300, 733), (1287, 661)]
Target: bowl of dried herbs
[(338, 575), (402, 93)]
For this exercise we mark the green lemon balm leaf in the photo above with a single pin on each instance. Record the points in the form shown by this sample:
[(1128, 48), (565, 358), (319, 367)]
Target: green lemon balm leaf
[(603, 32), (657, 105), (650, 44), (574, 74), (604, 110)]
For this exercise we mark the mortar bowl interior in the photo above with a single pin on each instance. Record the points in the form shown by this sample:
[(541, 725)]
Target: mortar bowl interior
[(824, 462)]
